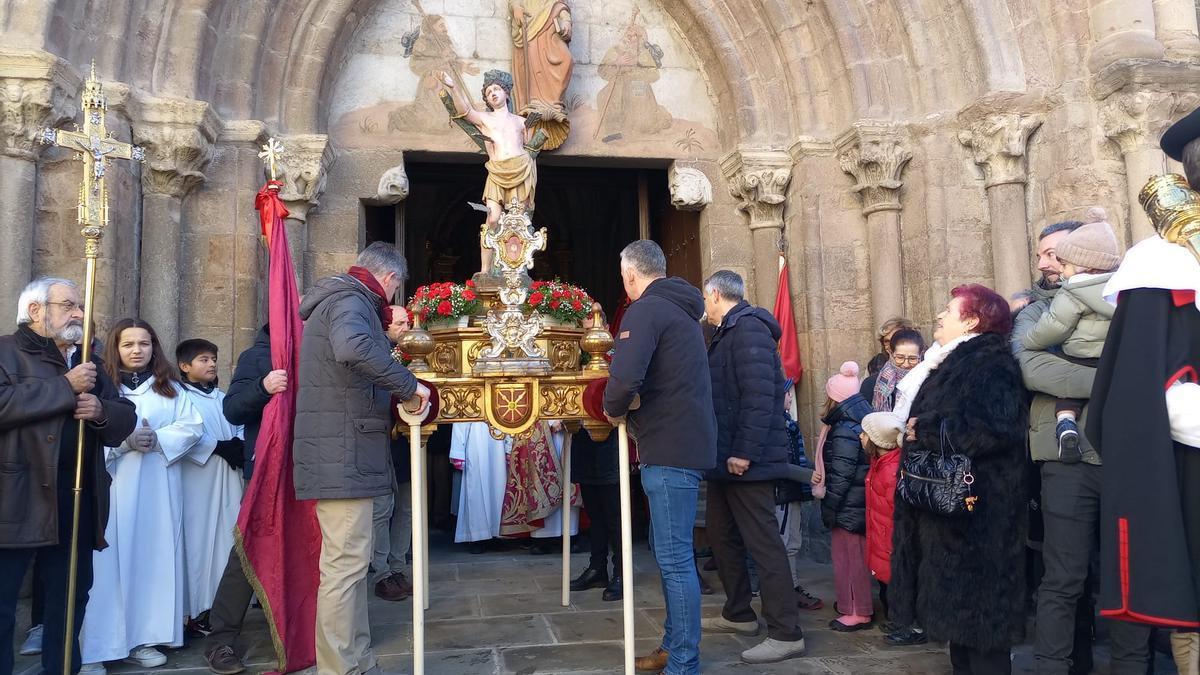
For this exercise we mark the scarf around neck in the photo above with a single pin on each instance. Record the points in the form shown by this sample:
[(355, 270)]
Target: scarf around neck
[(911, 384), (889, 376), (364, 277)]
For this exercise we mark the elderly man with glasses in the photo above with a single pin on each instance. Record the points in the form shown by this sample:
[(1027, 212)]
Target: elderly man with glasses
[(44, 392)]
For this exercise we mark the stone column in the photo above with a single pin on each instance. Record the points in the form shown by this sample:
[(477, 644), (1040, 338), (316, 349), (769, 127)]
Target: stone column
[(1135, 121), (759, 178), (997, 142), (178, 135), (36, 90), (1122, 29), (306, 159), (1175, 27), (875, 154)]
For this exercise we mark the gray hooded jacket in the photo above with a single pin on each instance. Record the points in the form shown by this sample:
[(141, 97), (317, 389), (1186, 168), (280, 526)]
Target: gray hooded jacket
[(347, 377)]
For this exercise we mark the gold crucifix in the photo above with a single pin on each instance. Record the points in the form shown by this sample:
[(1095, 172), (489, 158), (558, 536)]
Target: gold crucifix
[(94, 147)]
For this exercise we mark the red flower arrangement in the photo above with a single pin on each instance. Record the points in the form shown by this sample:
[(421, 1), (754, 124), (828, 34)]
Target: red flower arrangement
[(559, 300), (445, 301)]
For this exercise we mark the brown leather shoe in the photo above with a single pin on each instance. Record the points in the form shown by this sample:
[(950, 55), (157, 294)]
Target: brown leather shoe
[(403, 582), (222, 660), (654, 662), (389, 588)]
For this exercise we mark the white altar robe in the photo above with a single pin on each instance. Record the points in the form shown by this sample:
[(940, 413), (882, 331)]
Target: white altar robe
[(212, 496), (481, 496), (552, 524), (137, 595)]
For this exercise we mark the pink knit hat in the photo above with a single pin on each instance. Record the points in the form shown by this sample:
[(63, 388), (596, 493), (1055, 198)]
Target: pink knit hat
[(845, 384)]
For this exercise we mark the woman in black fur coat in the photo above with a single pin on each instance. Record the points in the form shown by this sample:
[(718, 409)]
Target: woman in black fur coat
[(962, 578)]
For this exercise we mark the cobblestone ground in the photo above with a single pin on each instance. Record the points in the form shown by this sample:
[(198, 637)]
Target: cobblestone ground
[(500, 612)]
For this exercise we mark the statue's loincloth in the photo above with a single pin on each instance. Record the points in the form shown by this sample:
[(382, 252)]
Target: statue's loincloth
[(515, 177)]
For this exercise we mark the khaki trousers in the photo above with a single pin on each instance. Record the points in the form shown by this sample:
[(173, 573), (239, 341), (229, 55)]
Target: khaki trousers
[(343, 631)]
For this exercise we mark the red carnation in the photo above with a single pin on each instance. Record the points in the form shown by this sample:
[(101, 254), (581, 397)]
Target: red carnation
[(577, 305), (538, 284), (444, 308), (445, 293), (555, 304), (536, 299), (556, 294), (468, 294), (470, 283)]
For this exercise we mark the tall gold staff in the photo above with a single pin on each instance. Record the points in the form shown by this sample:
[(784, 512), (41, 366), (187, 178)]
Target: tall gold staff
[(94, 147)]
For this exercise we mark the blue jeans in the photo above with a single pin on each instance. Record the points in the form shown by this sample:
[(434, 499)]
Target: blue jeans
[(672, 495)]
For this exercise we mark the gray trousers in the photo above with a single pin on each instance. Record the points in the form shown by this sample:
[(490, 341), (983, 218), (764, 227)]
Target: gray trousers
[(392, 526), (1071, 515)]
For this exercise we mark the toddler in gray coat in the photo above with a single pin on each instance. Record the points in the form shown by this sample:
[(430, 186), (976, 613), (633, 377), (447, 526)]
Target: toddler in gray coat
[(1077, 321)]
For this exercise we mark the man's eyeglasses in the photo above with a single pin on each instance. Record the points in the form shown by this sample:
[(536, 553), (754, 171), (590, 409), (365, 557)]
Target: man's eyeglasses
[(67, 306), (905, 360)]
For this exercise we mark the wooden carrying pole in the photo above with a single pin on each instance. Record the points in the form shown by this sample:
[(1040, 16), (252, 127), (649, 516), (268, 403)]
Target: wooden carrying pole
[(420, 558), (566, 518), (626, 545)]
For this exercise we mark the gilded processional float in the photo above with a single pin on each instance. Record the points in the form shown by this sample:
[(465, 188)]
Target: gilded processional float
[(493, 353)]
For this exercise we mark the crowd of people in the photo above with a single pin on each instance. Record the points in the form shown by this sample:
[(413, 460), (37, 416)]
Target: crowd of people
[(1038, 449)]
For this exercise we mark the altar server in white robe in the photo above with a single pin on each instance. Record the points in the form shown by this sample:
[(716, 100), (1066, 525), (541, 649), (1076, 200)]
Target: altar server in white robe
[(552, 524), (137, 596), (483, 461), (212, 484)]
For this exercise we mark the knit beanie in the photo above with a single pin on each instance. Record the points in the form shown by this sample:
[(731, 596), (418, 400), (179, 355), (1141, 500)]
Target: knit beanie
[(1093, 246), (845, 384), (884, 429)]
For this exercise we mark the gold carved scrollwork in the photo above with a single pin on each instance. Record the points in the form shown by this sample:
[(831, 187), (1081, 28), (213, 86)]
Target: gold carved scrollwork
[(564, 356), (445, 358), (461, 402), (560, 401), (474, 351)]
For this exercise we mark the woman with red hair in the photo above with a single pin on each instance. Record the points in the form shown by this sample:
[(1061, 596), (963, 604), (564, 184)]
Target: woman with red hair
[(961, 576)]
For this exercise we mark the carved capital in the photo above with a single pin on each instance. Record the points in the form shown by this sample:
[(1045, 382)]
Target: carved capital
[(758, 179), (690, 188), (1136, 120), (178, 135), (997, 142), (303, 169), (875, 154), (37, 90)]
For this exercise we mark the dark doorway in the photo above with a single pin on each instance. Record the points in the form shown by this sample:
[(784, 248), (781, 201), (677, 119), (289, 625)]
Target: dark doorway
[(589, 213)]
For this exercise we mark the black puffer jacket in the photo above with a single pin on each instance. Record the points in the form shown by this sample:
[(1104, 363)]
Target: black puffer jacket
[(246, 398), (846, 465), (747, 393), (660, 356), (347, 378)]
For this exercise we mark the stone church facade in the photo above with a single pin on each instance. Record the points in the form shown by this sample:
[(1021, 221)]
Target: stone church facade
[(893, 148)]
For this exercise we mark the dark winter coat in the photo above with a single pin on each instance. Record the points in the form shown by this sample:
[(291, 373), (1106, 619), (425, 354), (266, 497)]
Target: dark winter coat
[(347, 377), (660, 357), (246, 397), (38, 438), (846, 465), (963, 578), (787, 491), (747, 394), (594, 462)]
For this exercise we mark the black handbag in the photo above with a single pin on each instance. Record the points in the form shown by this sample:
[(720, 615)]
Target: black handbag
[(938, 482)]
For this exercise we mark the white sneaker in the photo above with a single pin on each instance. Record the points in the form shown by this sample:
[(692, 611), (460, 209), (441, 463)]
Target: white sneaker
[(33, 641), (147, 657), (773, 651), (93, 669)]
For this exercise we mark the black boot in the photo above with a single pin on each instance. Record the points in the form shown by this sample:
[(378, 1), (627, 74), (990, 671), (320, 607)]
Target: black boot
[(591, 578), (705, 589), (614, 591)]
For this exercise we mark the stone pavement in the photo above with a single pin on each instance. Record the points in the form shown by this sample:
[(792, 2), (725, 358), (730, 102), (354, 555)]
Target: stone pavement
[(500, 613)]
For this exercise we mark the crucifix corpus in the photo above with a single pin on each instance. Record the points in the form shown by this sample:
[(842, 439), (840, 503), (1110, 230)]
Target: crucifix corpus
[(511, 146), (94, 147)]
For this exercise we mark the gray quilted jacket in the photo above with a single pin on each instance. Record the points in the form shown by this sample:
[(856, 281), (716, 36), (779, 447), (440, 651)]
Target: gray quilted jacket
[(347, 377)]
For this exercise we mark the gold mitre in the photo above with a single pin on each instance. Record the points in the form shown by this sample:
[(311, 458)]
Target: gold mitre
[(1174, 210)]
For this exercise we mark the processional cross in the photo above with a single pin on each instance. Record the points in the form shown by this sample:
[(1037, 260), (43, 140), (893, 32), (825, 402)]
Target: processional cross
[(94, 147)]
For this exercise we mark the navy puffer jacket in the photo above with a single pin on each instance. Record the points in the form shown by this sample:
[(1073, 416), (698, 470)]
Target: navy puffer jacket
[(846, 465), (747, 392)]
